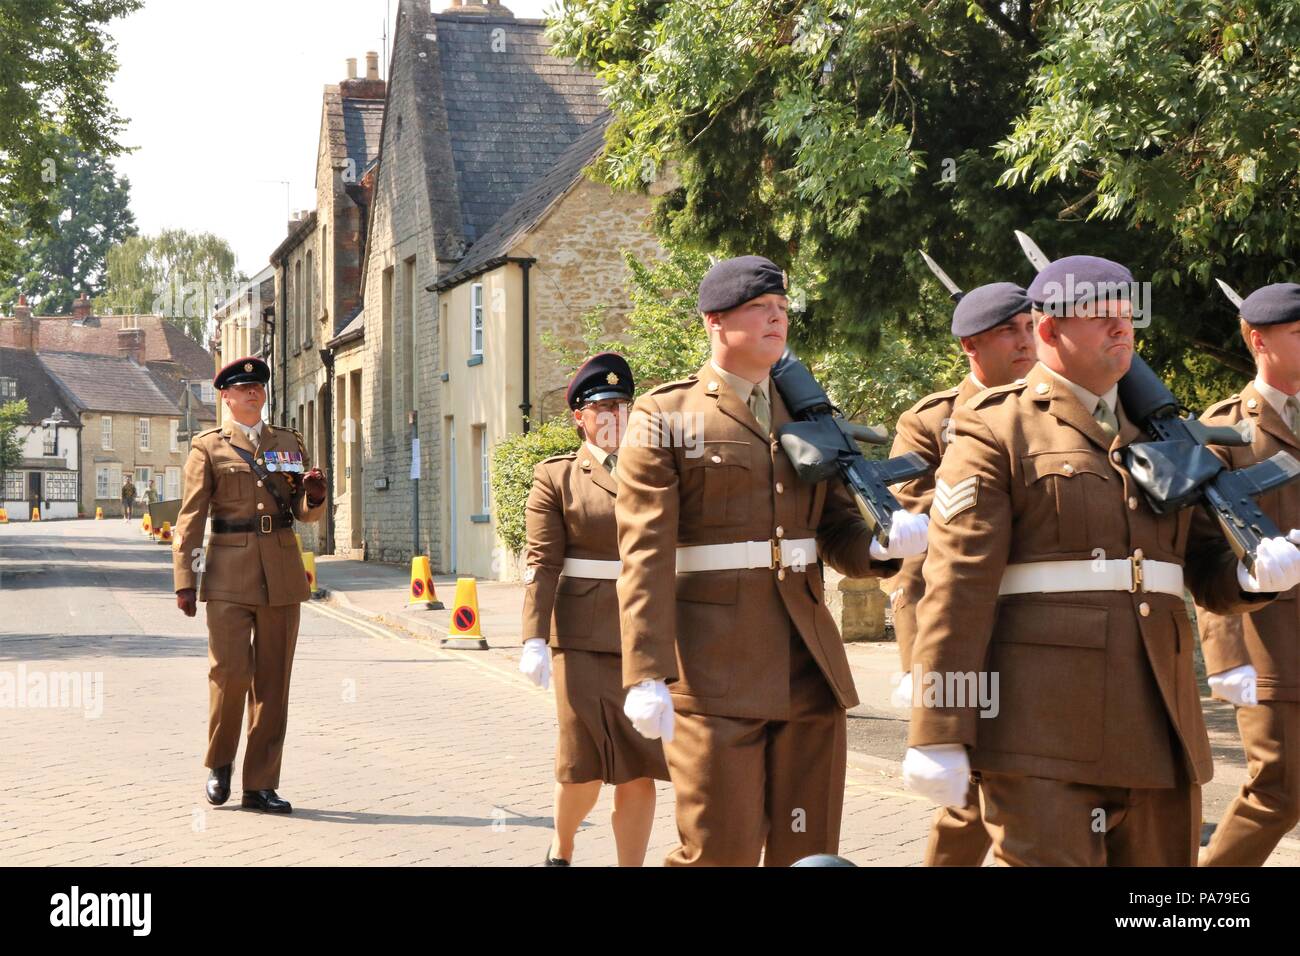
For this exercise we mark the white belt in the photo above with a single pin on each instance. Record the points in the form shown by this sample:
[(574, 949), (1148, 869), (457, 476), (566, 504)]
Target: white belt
[(797, 553), (1124, 574), (591, 568)]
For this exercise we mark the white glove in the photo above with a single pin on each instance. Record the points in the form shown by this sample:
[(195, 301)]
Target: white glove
[(650, 708), (902, 695), (1236, 686), (535, 662), (907, 537), (940, 772), (1277, 566)]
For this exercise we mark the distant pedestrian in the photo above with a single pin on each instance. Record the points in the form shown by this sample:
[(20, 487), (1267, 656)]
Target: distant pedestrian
[(128, 497)]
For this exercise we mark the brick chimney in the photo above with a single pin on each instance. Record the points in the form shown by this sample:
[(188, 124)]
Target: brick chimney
[(370, 88), (81, 309), (29, 329), (130, 344)]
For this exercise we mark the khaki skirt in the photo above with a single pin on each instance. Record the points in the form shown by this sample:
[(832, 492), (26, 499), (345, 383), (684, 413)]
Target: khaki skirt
[(596, 740)]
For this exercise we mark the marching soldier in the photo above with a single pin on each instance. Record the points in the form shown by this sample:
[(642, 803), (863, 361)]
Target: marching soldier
[(253, 479), (996, 331), (1049, 573), (729, 652), (1254, 659), (570, 600)]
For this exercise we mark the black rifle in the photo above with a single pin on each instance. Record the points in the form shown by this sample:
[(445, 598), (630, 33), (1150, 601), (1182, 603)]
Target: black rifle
[(820, 443), (1176, 470)]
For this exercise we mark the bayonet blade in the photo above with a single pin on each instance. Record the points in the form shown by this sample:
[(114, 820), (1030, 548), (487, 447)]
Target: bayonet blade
[(1228, 291), (944, 280), (1032, 252)]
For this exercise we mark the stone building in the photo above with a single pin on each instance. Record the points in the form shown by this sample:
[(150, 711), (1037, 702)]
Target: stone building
[(48, 473), (244, 326)]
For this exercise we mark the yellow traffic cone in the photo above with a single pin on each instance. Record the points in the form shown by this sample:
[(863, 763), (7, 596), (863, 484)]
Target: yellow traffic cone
[(465, 633), (146, 525), (422, 592), (4, 516), (36, 514), (309, 568), (99, 514), (164, 534)]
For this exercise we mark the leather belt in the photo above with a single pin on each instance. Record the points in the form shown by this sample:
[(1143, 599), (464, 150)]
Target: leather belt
[(796, 553), (591, 568), (1125, 574), (262, 524)]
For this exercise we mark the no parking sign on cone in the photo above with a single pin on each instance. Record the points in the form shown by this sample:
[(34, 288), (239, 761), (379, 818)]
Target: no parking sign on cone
[(422, 592), (464, 632)]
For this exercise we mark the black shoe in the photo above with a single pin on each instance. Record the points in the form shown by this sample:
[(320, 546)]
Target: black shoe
[(265, 800), (219, 785), (552, 861)]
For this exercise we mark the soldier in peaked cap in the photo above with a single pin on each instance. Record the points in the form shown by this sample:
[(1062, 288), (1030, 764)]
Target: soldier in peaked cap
[(996, 331), (1049, 571), (254, 481), (571, 604), (729, 652), (1253, 660)]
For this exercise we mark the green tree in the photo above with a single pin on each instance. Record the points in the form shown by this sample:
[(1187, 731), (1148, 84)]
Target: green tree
[(13, 415), (838, 136), (56, 61), (180, 275), (54, 266)]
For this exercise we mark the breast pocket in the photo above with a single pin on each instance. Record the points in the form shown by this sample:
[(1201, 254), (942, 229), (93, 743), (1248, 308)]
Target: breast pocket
[(718, 488), (234, 482), (1069, 482)]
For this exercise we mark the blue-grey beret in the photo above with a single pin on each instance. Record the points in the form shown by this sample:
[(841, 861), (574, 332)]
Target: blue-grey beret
[(733, 282), (986, 306), (1078, 280), (1273, 304)]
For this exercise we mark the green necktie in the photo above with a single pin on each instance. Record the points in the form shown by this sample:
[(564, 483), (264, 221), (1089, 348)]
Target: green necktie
[(1292, 409), (758, 404), (1106, 419)]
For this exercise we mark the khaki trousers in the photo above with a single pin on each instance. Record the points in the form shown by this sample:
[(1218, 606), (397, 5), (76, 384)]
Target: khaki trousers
[(1038, 822), (749, 786), (1268, 805), (958, 836), (250, 654)]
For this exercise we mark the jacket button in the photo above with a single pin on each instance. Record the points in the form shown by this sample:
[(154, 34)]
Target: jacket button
[(1137, 555), (1114, 456), (713, 386), (780, 488), (1067, 468), (780, 532), (1132, 503), (260, 506), (716, 459), (259, 484), (780, 574), (1144, 609)]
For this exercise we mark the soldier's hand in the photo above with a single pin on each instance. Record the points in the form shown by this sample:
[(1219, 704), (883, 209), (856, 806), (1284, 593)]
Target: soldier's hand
[(907, 537), (650, 708), (535, 663), (902, 693), (185, 600), (1277, 567), (1237, 686), (940, 772), (313, 483)]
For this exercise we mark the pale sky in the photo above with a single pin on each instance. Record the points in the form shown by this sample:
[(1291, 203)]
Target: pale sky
[(223, 101)]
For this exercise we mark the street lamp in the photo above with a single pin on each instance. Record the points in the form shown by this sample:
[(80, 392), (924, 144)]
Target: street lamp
[(54, 421)]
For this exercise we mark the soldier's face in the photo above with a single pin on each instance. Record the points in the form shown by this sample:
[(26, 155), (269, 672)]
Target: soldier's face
[(245, 400), (1095, 345), (1277, 350), (603, 422), (754, 331), (1005, 352)]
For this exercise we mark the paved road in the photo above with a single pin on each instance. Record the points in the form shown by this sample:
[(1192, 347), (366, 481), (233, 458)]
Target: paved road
[(398, 753)]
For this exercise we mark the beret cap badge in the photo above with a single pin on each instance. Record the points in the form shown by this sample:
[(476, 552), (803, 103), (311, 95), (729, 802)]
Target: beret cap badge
[(248, 366), (612, 378)]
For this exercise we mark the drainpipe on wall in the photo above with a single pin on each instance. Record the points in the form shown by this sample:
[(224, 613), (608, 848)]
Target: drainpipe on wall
[(327, 360), (526, 405), (284, 351)]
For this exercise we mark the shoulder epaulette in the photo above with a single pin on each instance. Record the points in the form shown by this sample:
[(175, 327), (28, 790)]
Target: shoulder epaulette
[(666, 386), (208, 431), (567, 456), (934, 398), (1223, 405), (981, 399)]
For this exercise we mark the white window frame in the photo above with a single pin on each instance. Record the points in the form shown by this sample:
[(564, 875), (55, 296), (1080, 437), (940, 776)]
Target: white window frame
[(8, 388), (485, 477), (143, 477), (476, 319), (106, 432), (142, 433), (172, 483), (208, 394), (102, 483), (173, 431)]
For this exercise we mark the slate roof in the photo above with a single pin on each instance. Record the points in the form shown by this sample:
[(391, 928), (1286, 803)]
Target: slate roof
[(362, 121), (106, 383), (33, 383), (163, 341), (509, 114)]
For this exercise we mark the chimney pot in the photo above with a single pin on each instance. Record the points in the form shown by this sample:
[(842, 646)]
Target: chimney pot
[(352, 68), (372, 65)]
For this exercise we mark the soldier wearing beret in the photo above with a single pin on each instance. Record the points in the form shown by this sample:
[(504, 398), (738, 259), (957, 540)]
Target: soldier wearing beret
[(729, 652), (253, 480), (1049, 572), (570, 603), (1253, 660), (996, 331)]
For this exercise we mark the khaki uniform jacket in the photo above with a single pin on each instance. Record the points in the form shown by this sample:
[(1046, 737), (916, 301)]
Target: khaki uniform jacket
[(570, 514), (1268, 638), (1090, 683), (244, 567), (925, 428), (695, 468)]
